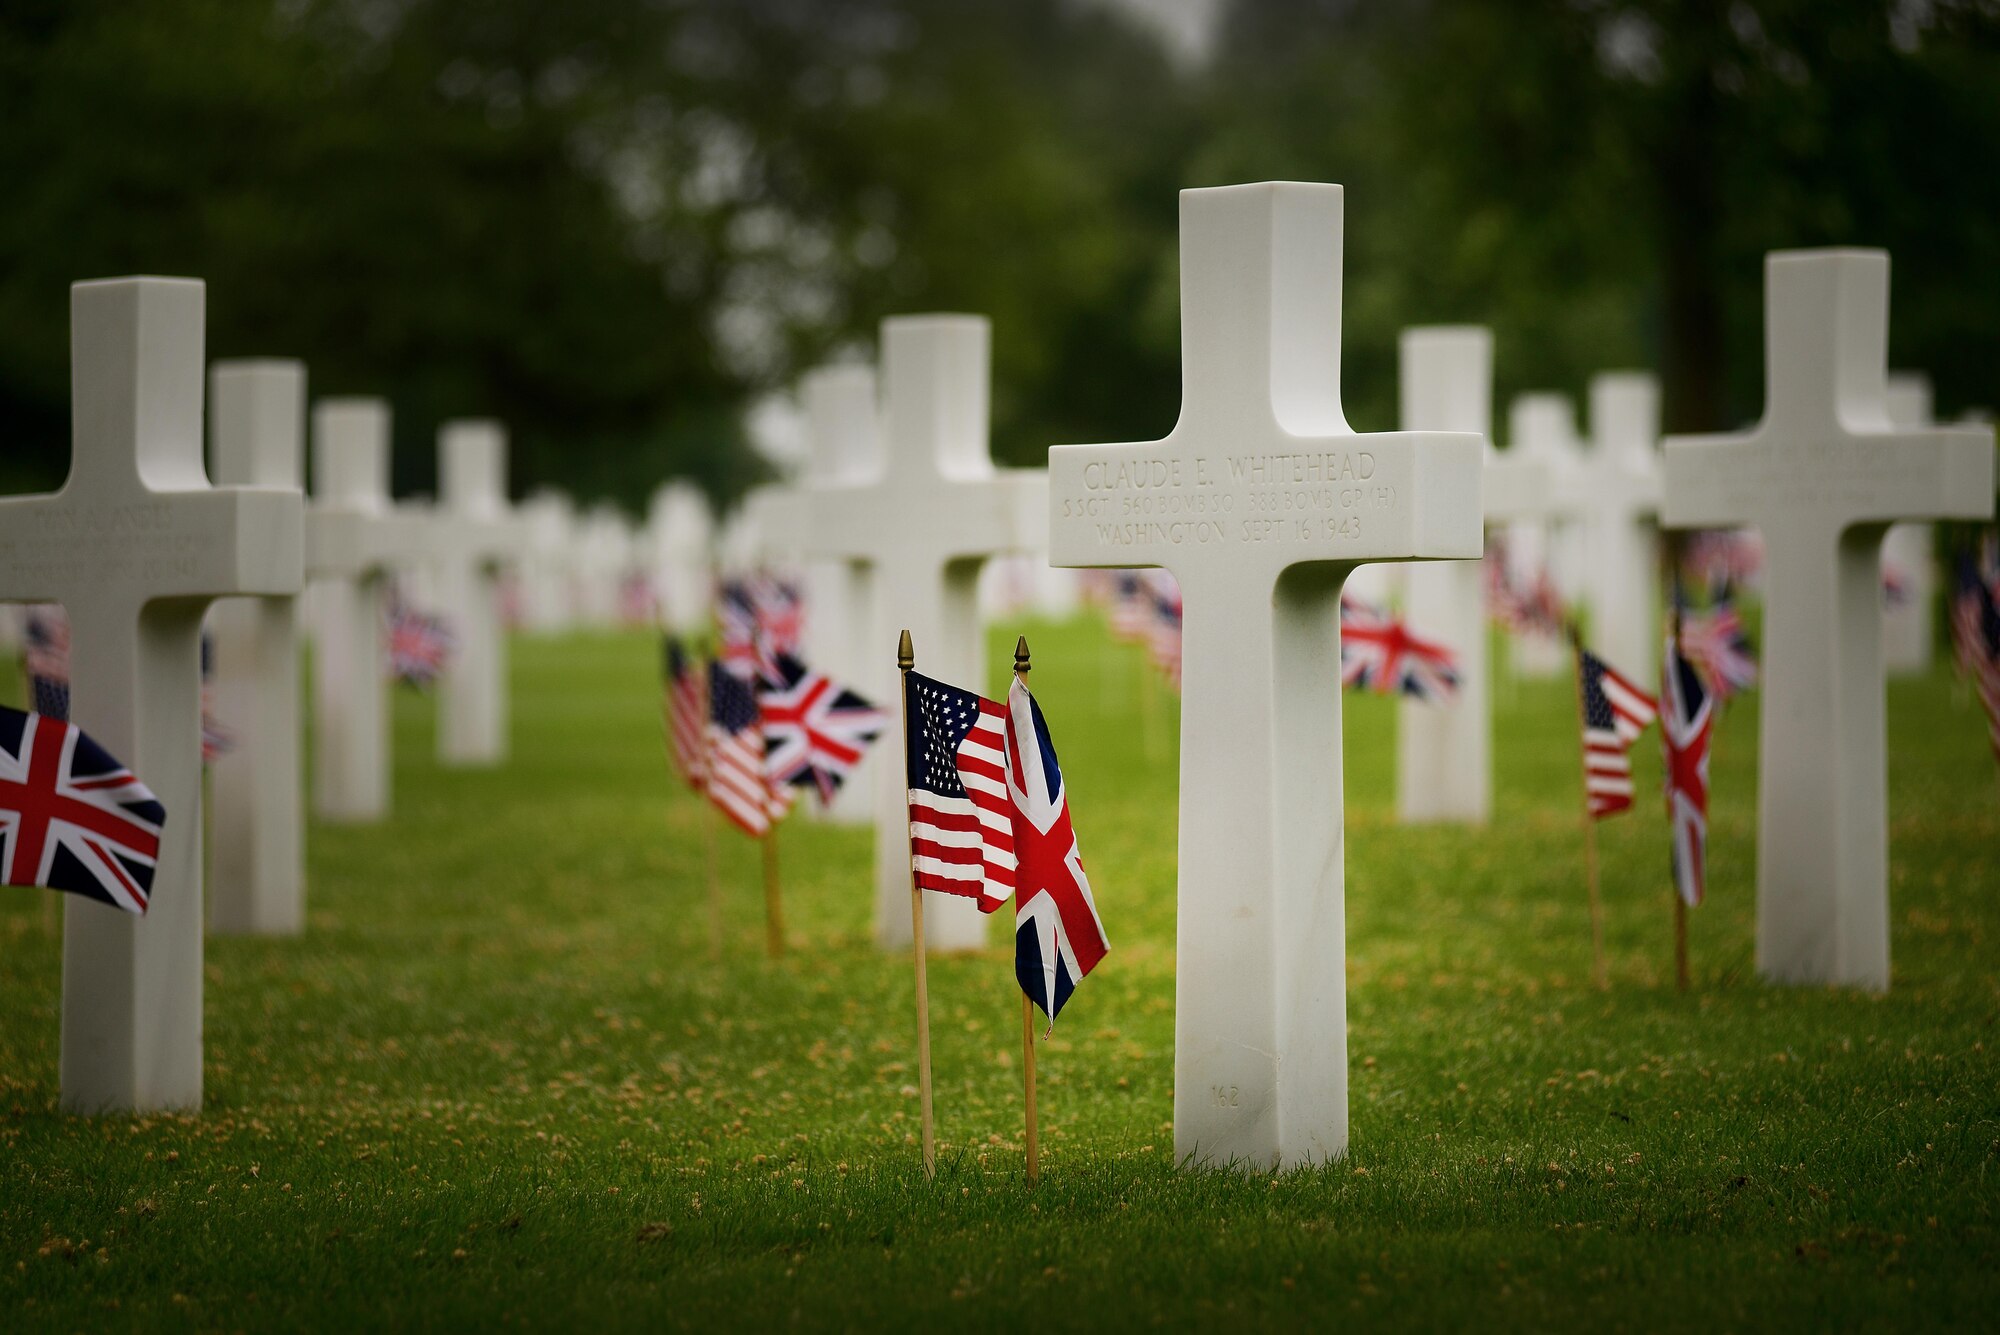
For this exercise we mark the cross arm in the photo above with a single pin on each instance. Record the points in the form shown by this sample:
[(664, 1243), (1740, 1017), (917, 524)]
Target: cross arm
[(197, 543)]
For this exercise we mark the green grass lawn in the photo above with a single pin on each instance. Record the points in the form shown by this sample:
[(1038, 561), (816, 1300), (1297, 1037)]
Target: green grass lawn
[(500, 1081)]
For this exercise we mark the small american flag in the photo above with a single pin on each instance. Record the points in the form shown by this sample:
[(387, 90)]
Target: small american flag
[(686, 705), (1131, 607), (961, 819), (638, 605), (1615, 712), (72, 818), (1687, 718), (736, 625), (1975, 633), (216, 740), (1379, 652), (1058, 936), (1163, 630), (735, 751), (45, 660), (1714, 640), (815, 730)]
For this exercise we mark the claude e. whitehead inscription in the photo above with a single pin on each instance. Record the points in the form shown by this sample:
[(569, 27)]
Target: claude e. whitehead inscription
[(1319, 498)]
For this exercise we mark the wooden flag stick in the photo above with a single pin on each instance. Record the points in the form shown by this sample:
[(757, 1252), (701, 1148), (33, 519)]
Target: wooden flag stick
[(774, 908), (1598, 971), (1028, 1067), (1021, 669), (1680, 942), (708, 823), (906, 659)]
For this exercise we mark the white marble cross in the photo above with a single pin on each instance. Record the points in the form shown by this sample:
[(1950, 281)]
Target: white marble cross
[(1619, 507), (1821, 477), (607, 551), (547, 578), (1541, 428), (134, 546), (680, 536), (256, 788), (473, 534), (922, 525), (1909, 620), (354, 538), (845, 439), (1260, 502), (1444, 749)]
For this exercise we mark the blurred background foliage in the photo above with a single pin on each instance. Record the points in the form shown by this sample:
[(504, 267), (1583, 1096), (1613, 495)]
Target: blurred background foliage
[(616, 223)]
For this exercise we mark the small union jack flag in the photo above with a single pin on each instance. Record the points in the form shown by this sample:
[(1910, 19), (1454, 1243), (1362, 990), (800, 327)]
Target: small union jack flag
[(1687, 717), (1715, 641), (420, 645), (1379, 652), (72, 818), (1615, 712), (1058, 936), (815, 730)]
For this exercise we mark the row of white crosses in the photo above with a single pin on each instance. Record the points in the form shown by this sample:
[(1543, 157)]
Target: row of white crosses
[(135, 547)]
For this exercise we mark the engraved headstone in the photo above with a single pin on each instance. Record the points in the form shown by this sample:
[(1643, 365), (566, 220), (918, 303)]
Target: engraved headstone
[(922, 523), (1821, 477), (134, 546), (256, 788), (1618, 517), (1909, 563), (1260, 502), (473, 534), (354, 540)]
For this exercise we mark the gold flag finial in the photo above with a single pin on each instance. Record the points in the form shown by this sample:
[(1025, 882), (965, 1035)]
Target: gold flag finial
[(1021, 664), (906, 657)]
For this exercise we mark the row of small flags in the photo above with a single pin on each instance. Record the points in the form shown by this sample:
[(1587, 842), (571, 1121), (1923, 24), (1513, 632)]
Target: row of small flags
[(988, 812), (1379, 651), (984, 784)]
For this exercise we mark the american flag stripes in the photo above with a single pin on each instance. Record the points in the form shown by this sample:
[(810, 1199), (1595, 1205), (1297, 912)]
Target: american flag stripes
[(686, 703), (1379, 652), (1975, 634), (45, 659), (1163, 628), (72, 818), (815, 730), (1615, 712), (1058, 936), (1687, 717), (735, 755), (961, 818)]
